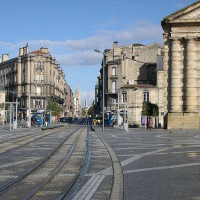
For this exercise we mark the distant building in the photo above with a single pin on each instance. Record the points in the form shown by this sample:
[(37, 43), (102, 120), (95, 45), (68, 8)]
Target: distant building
[(85, 108), (77, 103), (2, 106), (70, 102), (133, 73), (33, 78)]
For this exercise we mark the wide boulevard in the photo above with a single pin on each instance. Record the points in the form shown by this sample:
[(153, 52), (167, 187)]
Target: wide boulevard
[(76, 162)]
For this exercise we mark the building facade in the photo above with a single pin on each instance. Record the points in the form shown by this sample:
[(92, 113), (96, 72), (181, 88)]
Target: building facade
[(133, 74), (182, 68), (2, 106), (77, 103), (34, 79), (70, 102)]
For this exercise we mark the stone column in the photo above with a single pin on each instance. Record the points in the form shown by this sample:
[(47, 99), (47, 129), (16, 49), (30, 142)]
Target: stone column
[(176, 78), (190, 77), (166, 67)]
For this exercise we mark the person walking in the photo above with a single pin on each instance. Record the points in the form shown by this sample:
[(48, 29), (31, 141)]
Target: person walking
[(149, 124)]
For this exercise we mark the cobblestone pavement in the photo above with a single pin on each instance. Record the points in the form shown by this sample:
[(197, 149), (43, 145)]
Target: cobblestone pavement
[(158, 164)]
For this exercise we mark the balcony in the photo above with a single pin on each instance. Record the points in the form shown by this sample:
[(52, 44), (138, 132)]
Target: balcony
[(113, 77), (38, 81), (111, 93)]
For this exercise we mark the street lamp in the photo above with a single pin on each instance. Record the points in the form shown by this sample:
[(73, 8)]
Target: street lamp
[(134, 90), (158, 102), (96, 50), (11, 104)]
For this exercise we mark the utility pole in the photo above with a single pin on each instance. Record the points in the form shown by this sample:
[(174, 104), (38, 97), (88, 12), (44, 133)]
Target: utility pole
[(118, 110), (16, 112), (10, 116), (29, 102)]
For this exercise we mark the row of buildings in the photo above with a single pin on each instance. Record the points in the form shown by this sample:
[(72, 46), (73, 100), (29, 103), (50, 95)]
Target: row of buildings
[(35, 79), (133, 74), (166, 75)]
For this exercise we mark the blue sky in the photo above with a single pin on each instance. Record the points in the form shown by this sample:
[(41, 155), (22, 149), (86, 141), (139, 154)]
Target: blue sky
[(72, 29)]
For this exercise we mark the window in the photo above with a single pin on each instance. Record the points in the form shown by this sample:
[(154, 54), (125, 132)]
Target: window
[(114, 101), (114, 71), (39, 77), (124, 97), (39, 66), (37, 90), (146, 96), (37, 103), (113, 86)]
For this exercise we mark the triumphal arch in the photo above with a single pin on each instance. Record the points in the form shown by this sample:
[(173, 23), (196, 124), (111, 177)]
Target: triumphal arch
[(182, 68)]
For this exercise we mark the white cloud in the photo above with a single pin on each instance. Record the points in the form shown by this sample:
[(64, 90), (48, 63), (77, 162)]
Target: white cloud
[(79, 58), (81, 52), (181, 4)]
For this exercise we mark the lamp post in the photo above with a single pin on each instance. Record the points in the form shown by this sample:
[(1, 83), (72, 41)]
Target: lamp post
[(103, 103), (158, 102), (16, 104), (134, 90)]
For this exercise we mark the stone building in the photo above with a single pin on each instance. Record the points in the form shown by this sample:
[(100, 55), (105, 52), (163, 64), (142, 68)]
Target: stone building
[(132, 75), (77, 103), (2, 106), (182, 67), (70, 102), (34, 79)]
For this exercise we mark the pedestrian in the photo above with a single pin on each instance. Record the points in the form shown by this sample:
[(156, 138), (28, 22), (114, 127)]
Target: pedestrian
[(46, 121), (149, 124)]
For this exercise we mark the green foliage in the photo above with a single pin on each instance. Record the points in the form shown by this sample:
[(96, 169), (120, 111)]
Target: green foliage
[(83, 112), (146, 108), (53, 106), (91, 111), (149, 109), (154, 109)]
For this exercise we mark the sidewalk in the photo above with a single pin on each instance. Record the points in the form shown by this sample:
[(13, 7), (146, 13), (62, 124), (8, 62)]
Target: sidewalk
[(6, 130)]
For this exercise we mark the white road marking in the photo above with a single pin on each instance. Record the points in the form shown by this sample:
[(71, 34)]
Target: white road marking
[(89, 188), (19, 162), (138, 156), (7, 177), (161, 168)]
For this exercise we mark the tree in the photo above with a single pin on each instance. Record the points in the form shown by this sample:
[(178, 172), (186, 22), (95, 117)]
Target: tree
[(83, 112), (91, 111), (150, 109), (54, 107), (154, 108)]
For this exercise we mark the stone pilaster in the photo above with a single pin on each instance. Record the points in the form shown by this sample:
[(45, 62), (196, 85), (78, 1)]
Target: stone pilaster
[(191, 77), (166, 67), (176, 78)]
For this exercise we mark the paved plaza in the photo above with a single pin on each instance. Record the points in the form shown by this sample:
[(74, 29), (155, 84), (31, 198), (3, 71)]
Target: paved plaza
[(158, 164)]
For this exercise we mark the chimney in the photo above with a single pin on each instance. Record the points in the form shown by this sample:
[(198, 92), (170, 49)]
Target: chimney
[(27, 48), (5, 57), (20, 51), (45, 50), (24, 50), (159, 52), (115, 44)]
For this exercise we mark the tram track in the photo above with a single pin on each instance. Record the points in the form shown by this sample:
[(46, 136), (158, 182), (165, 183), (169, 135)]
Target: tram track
[(24, 140), (60, 160)]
